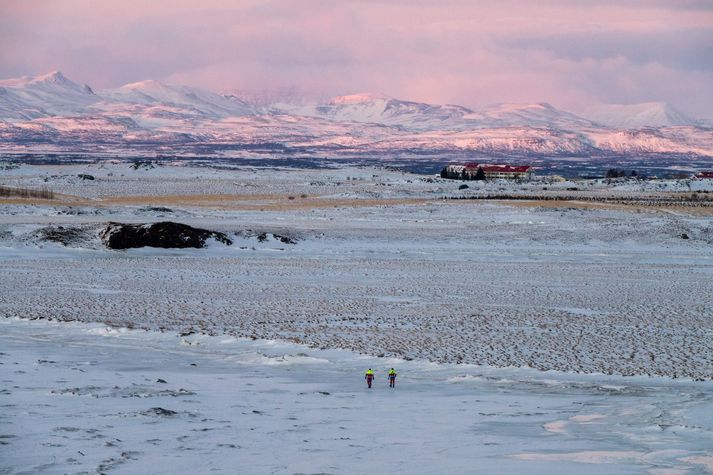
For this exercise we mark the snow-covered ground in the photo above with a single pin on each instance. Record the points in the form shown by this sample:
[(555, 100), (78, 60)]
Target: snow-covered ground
[(510, 324), (119, 179), (87, 398), (588, 289)]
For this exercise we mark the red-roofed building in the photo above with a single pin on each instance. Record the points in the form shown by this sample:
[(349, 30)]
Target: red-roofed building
[(491, 171), (704, 175)]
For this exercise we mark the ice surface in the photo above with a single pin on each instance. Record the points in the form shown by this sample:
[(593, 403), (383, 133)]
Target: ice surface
[(88, 398)]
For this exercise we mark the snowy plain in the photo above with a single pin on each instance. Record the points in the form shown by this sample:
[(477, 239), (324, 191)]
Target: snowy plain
[(510, 325)]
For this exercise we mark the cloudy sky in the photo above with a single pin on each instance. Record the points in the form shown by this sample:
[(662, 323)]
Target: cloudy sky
[(570, 53)]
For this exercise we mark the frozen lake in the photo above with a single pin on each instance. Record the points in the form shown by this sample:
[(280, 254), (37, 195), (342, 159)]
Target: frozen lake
[(87, 398)]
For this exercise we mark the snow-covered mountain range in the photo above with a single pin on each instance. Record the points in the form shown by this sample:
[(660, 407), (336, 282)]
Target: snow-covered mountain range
[(53, 113)]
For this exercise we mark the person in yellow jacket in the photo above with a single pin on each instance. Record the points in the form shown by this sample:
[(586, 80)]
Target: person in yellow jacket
[(369, 376), (392, 378)]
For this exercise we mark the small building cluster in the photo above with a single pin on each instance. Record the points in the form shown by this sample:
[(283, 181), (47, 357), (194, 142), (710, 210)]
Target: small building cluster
[(476, 171), (705, 175)]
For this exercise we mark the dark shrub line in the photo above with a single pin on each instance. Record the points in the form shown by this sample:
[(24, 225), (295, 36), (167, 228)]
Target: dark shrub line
[(43, 193), (686, 200)]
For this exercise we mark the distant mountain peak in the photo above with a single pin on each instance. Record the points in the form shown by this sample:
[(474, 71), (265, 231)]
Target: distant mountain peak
[(542, 105), (631, 116), (515, 106), (146, 84), (358, 98), (59, 80), (53, 76)]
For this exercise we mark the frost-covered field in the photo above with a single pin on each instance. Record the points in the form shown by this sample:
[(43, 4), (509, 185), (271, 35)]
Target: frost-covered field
[(377, 269), (118, 179), (333, 271), (87, 398)]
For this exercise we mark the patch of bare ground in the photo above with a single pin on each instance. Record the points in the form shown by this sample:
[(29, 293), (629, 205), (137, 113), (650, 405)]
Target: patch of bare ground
[(56, 199), (27, 201), (226, 202), (10, 191)]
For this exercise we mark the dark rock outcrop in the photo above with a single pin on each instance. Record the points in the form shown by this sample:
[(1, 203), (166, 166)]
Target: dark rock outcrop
[(157, 209), (159, 411), (141, 164), (67, 236), (166, 235), (264, 236), (284, 239)]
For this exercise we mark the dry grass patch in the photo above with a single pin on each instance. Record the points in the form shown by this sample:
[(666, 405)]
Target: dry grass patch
[(255, 202), (43, 199), (633, 207), (12, 192)]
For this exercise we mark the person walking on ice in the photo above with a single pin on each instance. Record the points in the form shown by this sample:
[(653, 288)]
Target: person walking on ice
[(369, 376), (392, 378)]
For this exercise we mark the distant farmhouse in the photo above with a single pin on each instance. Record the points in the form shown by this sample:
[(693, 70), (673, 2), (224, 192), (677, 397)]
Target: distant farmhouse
[(704, 175), (482, 171)]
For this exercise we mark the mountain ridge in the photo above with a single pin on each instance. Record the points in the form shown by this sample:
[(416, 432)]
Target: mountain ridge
[(52, 108)]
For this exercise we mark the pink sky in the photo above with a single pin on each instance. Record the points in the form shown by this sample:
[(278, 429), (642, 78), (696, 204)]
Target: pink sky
[(568, 52)]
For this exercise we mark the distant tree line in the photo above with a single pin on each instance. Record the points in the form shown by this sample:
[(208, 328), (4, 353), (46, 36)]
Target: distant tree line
[(616, 173), (479, 174)]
